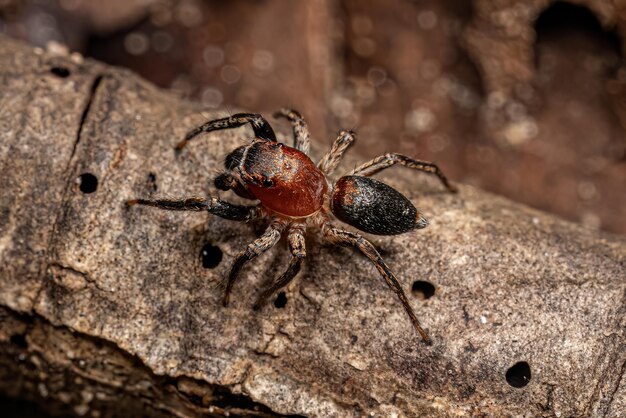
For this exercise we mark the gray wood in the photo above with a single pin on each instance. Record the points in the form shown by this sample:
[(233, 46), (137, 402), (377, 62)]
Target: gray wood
[(107, 310)]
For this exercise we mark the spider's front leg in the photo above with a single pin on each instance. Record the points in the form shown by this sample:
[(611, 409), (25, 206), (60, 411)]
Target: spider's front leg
[(266, 241), (260, 126), (298, 253), (345, 238), (198, 204)]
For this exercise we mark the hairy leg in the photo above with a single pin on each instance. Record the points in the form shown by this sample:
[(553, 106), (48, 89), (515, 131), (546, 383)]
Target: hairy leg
[(331, 159), (341, 237), (198, 204), (266, 241), (301, 136), (260, 126), (387, 160), (298, 253)]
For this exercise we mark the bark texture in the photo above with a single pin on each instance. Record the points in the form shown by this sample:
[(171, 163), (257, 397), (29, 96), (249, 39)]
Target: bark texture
[(106, 310)]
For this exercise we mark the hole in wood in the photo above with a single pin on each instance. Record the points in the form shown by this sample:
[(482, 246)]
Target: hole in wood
[(211, 256), (19, 340), (152, 182), (281, 300), (423, 289), (87, 183), (518, 375), (60, 72)]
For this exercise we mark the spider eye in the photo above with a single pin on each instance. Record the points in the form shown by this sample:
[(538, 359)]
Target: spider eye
[(267, 182)]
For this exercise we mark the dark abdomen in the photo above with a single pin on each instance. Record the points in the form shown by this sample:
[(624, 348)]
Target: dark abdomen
[(374, 207)]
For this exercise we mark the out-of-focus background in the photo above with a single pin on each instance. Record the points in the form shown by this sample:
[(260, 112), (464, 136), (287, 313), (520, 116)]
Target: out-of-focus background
[(525, 98)]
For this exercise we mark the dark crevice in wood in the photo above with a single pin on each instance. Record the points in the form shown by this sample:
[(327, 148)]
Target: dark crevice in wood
[(92, 93)]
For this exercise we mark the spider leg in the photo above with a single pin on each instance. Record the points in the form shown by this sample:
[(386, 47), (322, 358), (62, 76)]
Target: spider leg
[(266, 241), (197, 204), (298, 253), (260, 126), (301, 136), (387, 160), (331, 159), (341, 237)]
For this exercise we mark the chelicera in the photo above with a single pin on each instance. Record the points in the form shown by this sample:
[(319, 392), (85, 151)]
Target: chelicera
[(295, 193)]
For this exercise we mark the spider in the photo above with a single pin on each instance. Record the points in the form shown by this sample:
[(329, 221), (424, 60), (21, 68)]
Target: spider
[(294, 193)]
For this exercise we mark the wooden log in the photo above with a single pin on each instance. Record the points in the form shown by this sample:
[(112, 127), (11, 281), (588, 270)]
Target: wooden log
[(107, 310)]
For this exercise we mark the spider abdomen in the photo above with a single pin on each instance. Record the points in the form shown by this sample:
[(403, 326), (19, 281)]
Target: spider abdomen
[(374, 207), (284, 179)]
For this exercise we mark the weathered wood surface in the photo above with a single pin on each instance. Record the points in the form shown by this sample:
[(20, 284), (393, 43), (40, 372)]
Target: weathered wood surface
[(107, 310)]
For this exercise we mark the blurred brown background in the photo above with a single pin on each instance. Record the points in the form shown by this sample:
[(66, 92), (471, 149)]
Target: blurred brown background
[(525, 98)]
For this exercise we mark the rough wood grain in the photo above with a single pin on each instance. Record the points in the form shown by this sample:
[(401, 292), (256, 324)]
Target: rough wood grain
[(107, 310)]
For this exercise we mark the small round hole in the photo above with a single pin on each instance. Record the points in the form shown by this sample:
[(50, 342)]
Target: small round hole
[(518, 375), (60, 72), (281, 300), (423, 289), (211, 256), (87, 183), (19, 340)]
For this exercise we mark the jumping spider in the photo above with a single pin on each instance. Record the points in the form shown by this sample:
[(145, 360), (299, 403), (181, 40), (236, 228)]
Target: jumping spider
[(294, 193)]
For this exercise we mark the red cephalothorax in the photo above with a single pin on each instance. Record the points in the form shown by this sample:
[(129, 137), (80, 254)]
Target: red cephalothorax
[(284, 179), (292, 189)]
